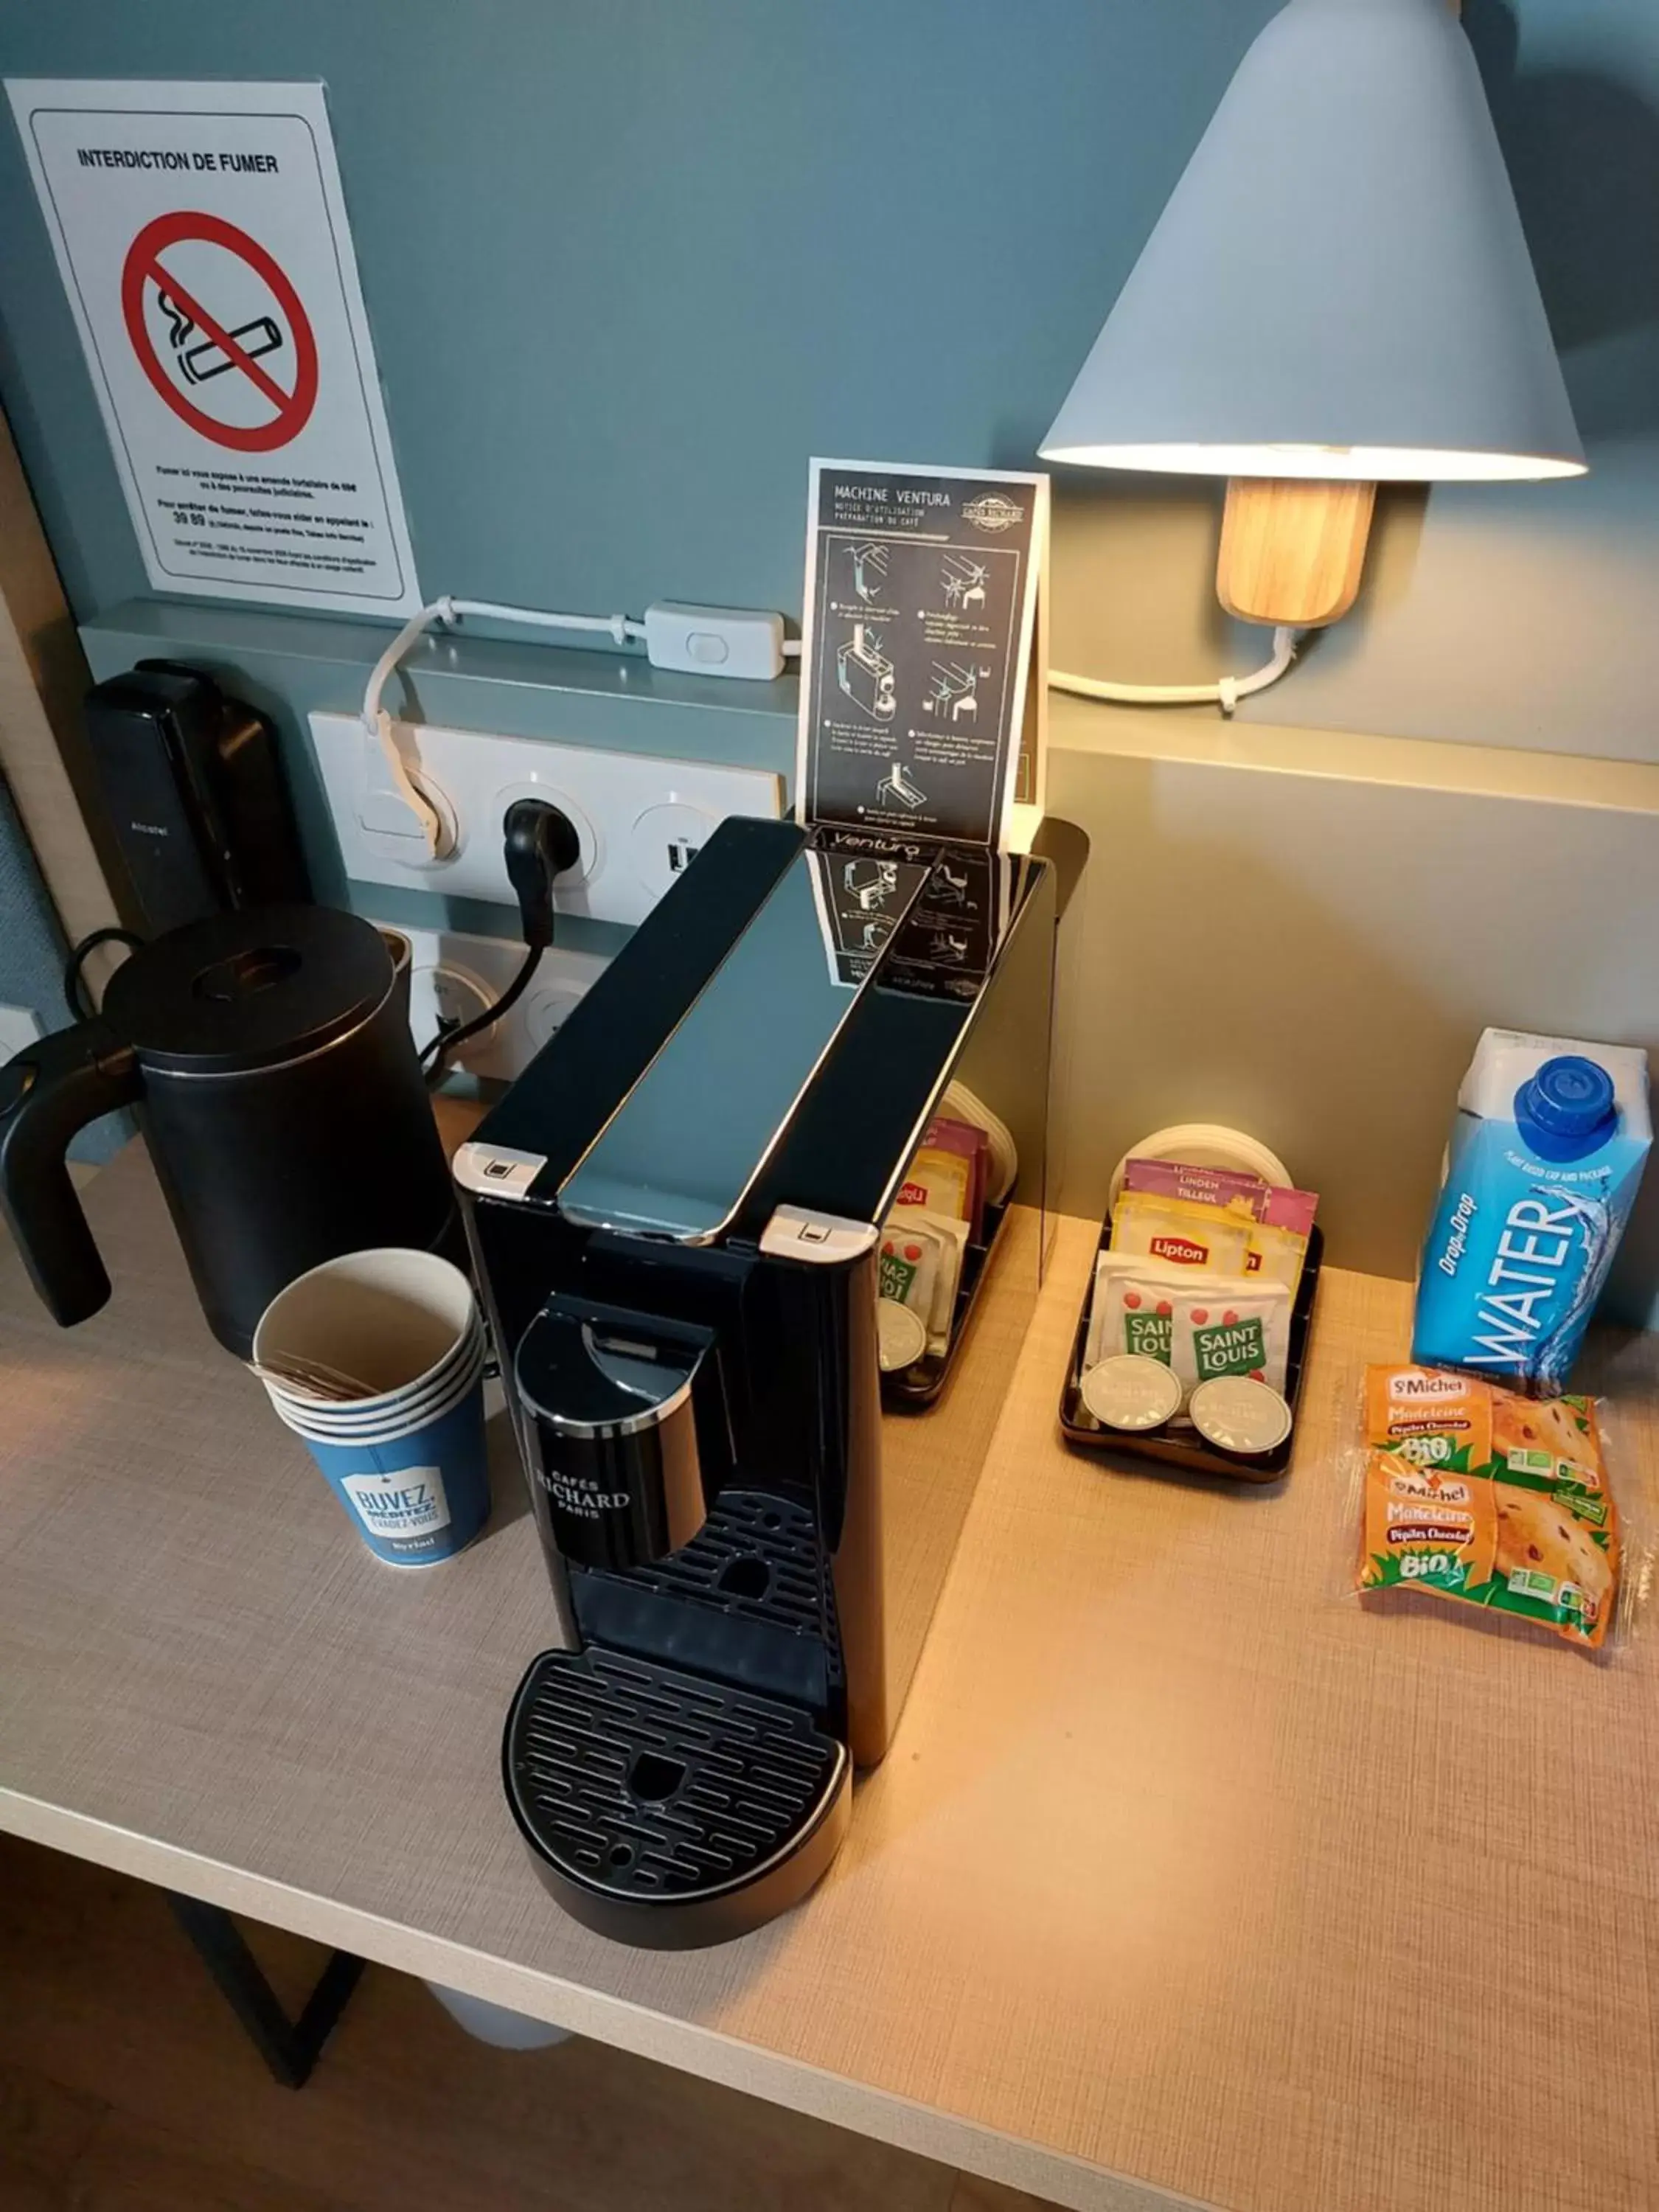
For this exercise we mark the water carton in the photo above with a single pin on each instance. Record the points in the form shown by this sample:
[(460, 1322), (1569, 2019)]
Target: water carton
[(1546, 1157)]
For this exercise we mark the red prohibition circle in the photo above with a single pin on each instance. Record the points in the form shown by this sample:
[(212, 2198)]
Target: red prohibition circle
[(143, 265)]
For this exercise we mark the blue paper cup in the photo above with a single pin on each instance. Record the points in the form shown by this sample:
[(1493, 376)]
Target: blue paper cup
[(418, 1498), (408, 1462)]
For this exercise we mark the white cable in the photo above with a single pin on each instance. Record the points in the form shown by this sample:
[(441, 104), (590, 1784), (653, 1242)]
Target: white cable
[(1225, 693), (619, 627), (448, 612)]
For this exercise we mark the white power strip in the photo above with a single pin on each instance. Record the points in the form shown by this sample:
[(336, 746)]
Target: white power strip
[(455, 976)]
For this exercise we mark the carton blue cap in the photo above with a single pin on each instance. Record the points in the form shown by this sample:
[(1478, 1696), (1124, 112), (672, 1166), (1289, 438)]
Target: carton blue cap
[(1567, 1108)]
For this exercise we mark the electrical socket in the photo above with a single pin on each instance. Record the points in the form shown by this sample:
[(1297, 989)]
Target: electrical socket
[(455, 977), (639, 820)]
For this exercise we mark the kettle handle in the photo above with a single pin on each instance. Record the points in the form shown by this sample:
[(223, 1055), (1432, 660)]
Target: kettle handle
[(49, 1092)]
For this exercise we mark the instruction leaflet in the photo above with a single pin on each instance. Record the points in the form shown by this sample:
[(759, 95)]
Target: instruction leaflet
[(920, 620), (944, 909)]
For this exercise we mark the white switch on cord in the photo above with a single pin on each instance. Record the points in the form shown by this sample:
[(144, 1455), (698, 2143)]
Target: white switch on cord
[(713, 640)]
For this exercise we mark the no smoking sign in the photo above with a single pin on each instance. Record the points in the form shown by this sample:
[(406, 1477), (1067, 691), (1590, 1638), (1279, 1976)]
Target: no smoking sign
[(201, 233), (219, 331)]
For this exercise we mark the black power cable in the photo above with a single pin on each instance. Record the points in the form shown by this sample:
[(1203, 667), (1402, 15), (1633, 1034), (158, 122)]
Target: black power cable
[(439, 1050), (541, 844)]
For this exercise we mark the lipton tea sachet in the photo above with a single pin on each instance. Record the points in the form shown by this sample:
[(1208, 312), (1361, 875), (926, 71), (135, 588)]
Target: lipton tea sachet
[(947, 1174), (1170, 1209)]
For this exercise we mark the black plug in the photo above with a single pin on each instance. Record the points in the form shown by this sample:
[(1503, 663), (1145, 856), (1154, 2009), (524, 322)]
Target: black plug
[(541, 844)]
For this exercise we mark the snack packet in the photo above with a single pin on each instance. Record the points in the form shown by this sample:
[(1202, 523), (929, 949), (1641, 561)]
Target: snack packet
[(1554, 1439), (1429, 1416), (1477, 1494)]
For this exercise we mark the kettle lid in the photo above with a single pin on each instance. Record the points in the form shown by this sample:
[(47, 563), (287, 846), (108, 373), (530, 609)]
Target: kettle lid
[(249, 989)]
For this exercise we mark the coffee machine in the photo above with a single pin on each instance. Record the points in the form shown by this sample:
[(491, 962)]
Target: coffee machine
[(676, 1215)]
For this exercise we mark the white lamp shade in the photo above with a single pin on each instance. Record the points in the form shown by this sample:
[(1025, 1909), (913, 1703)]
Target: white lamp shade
[(1340, 286)]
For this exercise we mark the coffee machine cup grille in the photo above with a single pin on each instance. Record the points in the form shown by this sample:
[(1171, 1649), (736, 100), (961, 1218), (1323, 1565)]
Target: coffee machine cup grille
[(644, 1793)]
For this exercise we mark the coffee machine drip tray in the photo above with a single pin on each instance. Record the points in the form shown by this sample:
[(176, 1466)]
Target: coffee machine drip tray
[(665, 1809)]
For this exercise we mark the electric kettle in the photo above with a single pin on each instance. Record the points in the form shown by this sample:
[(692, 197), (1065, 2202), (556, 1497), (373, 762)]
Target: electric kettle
[(268, 1058)]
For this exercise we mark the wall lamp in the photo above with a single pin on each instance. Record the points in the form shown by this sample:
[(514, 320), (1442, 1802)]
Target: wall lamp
[(1337, 294)]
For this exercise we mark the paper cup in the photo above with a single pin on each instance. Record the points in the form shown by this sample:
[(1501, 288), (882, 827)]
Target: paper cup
[(407, 1462), (354, 1416), (309, 1418), (418, 1498), (393, 1318)]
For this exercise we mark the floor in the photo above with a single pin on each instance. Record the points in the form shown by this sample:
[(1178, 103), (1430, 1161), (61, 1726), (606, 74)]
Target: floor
[(126, 2086)]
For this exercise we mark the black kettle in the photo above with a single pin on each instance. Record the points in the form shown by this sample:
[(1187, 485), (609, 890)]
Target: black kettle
[(268, 1057)]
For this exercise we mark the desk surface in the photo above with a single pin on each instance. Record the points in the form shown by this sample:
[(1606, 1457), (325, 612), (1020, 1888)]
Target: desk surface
[(1186, 1874)]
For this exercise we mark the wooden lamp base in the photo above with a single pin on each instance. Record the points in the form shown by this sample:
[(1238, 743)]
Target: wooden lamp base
[(1292, 548)]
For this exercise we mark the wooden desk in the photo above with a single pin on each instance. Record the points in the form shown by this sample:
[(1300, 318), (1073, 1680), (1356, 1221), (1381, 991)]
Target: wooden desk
[(1186, 1874)]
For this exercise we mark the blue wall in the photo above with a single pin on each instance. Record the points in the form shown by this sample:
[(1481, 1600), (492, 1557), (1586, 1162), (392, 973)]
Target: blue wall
[(629, 262), (32, 946)]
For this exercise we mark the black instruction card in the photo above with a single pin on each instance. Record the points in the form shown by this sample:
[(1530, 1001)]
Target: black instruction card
[(918, 710), (944, 909)]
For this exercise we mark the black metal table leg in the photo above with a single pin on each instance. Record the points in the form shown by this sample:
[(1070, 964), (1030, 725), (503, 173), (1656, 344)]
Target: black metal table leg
[(289, 2048)]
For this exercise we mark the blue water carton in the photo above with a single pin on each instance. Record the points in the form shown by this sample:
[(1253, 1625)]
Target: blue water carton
[(1544, 1160)]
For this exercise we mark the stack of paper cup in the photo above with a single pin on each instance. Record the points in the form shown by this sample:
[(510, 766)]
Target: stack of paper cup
[(406, 1460)]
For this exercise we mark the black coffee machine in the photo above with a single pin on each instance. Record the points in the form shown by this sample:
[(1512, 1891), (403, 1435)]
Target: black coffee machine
[(677, 1214)]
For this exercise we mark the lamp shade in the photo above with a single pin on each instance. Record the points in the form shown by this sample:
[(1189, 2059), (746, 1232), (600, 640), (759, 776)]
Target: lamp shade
[(1340, 286)]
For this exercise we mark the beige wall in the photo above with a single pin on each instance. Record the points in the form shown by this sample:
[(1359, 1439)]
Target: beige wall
[(43, 675), (1518, 615), (1294, 924), (1303, 933)]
